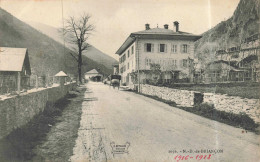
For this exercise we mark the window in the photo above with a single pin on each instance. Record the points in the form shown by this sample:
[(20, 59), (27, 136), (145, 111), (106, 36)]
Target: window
[(162, 48), (128, 53), (174, 62), (148, 62), (123, 58), (184, 48), (185, 63), (132, 50), (148, 47), (174, 48)]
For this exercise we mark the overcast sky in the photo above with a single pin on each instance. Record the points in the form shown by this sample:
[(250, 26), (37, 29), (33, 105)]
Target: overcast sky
[(116, 19)]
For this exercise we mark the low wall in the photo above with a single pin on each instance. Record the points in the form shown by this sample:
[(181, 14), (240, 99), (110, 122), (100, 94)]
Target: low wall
[(221, 102), (181, 97), (16, 111), (234, 104)]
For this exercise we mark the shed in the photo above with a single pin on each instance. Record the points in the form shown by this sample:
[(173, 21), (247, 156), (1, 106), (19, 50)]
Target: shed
[(15, 69), (61, 75)]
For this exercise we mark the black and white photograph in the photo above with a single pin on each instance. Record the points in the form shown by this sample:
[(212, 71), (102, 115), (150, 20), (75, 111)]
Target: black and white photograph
[(129, 80)]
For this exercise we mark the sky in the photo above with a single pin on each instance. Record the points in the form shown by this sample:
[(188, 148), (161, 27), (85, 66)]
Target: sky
[(114, 20)]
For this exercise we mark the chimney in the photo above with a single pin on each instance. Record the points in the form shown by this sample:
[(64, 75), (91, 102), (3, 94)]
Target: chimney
[(147, 26), (176, 24), (166, 26)]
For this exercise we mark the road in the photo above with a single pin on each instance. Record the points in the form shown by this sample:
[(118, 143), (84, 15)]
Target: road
[(154, 130)]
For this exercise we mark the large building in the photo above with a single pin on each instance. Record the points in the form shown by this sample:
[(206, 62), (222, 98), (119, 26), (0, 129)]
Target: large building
[(157, 54)]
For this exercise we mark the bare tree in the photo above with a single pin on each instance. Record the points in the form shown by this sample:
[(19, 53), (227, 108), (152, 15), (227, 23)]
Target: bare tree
[(76, 32)]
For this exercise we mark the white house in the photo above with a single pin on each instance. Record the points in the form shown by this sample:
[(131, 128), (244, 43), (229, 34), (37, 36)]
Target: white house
[(170, 51)]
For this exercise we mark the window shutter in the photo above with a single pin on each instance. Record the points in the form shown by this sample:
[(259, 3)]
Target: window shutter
[(145, 47), (172, 48), (188, 48), (152, 47), (165, 48), (158, 48)]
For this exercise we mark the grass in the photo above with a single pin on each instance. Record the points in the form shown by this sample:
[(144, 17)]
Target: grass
[(241, 120)]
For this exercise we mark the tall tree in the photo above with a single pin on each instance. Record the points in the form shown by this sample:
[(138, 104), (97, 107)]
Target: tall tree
[(76, 32)]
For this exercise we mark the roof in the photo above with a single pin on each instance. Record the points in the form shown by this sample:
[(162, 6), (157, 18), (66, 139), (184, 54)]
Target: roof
[(13, 59), (93, 71), (163, 31), (157, 33), (61, 74)]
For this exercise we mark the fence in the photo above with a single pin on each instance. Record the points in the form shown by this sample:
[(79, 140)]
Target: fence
[(8, 83)]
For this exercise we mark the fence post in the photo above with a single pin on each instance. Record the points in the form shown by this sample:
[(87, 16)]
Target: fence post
[(19, 83), (36, 82)]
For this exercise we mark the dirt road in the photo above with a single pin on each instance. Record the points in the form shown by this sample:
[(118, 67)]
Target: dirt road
[(153, 131)]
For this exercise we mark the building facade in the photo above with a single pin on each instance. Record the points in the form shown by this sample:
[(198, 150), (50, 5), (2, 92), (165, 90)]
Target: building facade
[(158, 53)]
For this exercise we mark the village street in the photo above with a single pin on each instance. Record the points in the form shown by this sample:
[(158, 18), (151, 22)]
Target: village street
[(153, 131)]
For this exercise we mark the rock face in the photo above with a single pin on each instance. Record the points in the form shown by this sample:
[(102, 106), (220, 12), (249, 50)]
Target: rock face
[(221, 102), (229, 33)]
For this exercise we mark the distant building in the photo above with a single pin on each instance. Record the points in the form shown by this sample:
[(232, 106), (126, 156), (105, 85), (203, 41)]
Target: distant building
[(223, 71), (158, 53), (15, 69), (245, 57), (93, 75)]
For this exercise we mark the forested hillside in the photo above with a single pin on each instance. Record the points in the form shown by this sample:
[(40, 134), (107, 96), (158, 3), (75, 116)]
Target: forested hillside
[(47, 56)]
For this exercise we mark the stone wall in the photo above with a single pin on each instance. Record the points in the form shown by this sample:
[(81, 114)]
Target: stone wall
[(181, 97), (221, 102), (16, 111), (234, 104)]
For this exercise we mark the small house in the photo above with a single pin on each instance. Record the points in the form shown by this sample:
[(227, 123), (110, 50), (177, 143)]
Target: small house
[(15, 69), (93, 75)]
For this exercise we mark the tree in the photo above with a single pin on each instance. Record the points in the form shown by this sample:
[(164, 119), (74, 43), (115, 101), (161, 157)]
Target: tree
[(76, 31)]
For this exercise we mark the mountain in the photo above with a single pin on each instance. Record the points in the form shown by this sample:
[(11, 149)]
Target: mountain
[(92, 52), (47, 56), (229, 33)]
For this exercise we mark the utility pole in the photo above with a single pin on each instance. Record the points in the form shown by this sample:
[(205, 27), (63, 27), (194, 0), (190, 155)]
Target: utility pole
[(138, 62)]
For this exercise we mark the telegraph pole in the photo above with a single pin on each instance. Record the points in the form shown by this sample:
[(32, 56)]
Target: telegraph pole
[(138, 63)]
